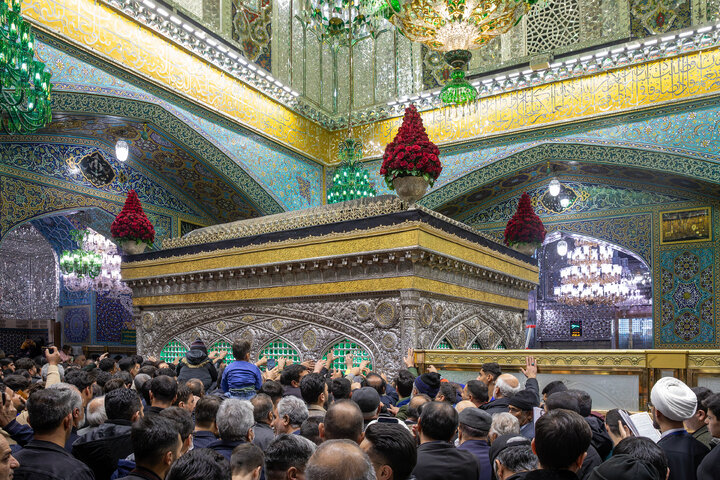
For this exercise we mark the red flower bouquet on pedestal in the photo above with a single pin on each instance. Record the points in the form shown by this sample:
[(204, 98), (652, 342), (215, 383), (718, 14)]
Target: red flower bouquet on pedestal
[(411, 153), (132, 226), (525, 231)]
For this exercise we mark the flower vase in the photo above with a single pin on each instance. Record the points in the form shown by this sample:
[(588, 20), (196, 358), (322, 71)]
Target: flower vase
[(410, 189), (526, 248), (131, 247)]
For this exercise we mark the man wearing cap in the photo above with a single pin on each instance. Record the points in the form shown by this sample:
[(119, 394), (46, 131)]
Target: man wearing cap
[(368, 399), (473, 427), (427, 383), (672, 403), (521, 407)]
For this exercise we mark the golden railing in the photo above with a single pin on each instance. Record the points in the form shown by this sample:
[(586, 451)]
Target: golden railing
[(694, 367)]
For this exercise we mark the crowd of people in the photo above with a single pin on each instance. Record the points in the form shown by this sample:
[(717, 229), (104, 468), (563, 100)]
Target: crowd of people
[(202, 418)]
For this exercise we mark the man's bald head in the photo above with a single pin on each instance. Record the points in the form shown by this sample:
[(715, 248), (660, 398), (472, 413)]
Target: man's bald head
[(339, 460), (414, 405), (506, 385), (343, 420), (463, 405)]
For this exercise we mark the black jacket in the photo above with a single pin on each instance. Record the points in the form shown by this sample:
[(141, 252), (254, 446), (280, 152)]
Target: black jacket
[(140, 473), (709, 469), (684, 454), (591, 461), (550, 475), (196, 364), (264, 435), (41, 460), (442, 461), (600, 438), (101, 448)]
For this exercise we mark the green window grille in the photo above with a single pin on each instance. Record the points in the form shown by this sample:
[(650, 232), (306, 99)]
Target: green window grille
[(501, 346), (278, 349), (222, 346), (444, 345), (475, 346), (172, 350), (345, 347)]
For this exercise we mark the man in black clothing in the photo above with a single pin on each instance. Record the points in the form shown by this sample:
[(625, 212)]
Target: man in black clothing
[(163, 391), (507, 385), (287, 456), (205, 426), (50, 414), (567, 400), (290, 379), (672, 403), (234, 421), (263, 414), (601, 440), (709, 469), (156, 444), (697, 425), (391, 449), (477, 392), (561, 441), (101, 448), (438, 459), (646, 450)]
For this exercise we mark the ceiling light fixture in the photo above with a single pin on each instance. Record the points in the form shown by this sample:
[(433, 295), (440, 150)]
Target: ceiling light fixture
[(122, 149)]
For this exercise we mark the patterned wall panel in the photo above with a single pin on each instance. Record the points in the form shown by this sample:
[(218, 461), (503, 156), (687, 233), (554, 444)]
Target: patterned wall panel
[(554, 322), (112, 317), (687, 289), (76, 325)]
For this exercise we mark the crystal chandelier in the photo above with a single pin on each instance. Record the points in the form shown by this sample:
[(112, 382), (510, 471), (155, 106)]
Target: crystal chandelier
[(332, 21), (591, 278), (24, 84), (350, 181), (95, 265), (456, 27)]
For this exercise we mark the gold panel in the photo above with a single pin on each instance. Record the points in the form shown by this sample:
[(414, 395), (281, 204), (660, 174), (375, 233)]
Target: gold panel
[(410, 234), (635, 87), (333, 288), (143, 52), (667, 359), (557, 359)]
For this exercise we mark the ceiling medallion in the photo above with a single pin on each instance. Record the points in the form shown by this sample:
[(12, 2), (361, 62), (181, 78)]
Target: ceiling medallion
[(94, 167), (25, 87)]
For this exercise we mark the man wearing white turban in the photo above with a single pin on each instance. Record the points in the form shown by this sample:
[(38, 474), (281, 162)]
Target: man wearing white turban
[(672, 403)]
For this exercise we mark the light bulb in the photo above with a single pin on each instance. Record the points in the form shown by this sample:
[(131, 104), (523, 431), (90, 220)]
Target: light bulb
[(562, 248), (554, 187), (564, 201), (121, 150)]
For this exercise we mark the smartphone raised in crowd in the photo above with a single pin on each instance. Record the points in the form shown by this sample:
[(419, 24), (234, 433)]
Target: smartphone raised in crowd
[(271, 363)]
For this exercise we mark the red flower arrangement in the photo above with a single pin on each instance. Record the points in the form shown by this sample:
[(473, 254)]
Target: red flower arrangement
[(525, 226), (132, 224), (411, 152)]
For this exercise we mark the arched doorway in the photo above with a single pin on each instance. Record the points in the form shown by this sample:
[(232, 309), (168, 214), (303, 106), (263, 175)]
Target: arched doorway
[(592, 294)]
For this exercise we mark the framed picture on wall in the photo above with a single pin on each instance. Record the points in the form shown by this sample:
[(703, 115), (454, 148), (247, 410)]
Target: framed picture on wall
[(688, 225)]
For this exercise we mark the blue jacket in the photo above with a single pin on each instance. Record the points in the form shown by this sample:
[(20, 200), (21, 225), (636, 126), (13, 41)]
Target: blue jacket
[(481, 450), (203, 438), (224, 448), (241, 374)]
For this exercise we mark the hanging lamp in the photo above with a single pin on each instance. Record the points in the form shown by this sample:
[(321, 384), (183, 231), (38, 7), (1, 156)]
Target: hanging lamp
[(25, 86)]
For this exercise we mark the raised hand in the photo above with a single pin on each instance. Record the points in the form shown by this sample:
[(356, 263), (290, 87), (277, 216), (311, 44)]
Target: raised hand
[(410, 359), (52, 355), (319, 365), (531, 369)]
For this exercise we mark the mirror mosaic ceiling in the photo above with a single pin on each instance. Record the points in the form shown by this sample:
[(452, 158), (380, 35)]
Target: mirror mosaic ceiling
[(388, 68)]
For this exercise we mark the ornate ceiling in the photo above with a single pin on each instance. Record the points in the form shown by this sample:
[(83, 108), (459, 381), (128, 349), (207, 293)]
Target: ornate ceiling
[(158, 155), (466, 206)]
